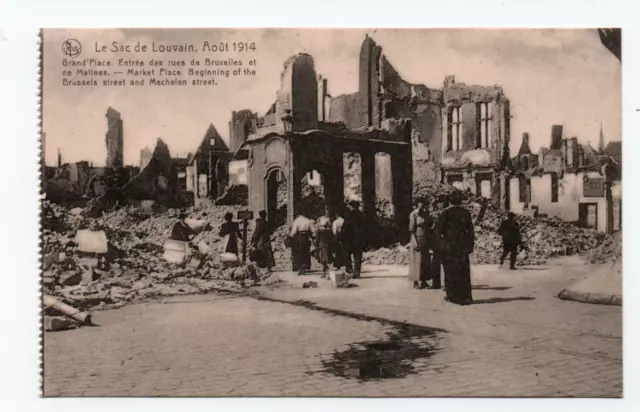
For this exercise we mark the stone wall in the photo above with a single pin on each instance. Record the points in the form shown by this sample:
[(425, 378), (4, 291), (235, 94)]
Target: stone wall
[(466, 98), (298, 93), (114, 139)]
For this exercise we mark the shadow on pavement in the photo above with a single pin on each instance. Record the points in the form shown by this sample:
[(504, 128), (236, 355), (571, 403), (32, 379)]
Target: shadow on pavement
[(489, 287), (501, 300)]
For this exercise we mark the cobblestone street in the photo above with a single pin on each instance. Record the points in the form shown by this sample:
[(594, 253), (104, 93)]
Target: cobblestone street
[(517, 340)]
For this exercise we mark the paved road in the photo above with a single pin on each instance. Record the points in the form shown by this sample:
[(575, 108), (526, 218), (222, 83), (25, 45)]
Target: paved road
[(519, 340)]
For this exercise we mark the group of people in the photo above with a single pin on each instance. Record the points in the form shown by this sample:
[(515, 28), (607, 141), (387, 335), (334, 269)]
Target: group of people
[(339, 239), (446, 243), (443, 243), (261, 252)]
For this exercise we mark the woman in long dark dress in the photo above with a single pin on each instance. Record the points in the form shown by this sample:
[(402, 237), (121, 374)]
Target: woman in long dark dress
[(230, 230), (261, 241), (454, 234)]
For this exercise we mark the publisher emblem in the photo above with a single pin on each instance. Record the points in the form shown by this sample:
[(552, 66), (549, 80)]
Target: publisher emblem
[(71, 48)]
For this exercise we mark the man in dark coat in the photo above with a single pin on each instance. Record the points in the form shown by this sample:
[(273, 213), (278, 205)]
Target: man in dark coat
[(455, 237), (354, 238), (511, 239), (181, 231)]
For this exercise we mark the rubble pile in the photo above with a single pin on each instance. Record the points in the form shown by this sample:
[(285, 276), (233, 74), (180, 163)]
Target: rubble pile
[(118, 258), (281, 253), (544, 238), (234, 195), (608, 250)]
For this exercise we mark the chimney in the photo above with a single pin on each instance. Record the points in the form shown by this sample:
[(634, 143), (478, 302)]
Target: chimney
[(580, 156), (556, 137), (525, 139), (570, 153), (322, 99), (59, 158)]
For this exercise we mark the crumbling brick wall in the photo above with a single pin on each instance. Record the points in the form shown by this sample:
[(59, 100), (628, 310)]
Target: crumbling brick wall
[(114, 139), (298, 93)]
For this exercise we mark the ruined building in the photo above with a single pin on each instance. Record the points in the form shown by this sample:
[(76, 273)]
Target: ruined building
[(207, 171), (475, 136), (568, 180), (145, 157), (464, 128), (114, 139)]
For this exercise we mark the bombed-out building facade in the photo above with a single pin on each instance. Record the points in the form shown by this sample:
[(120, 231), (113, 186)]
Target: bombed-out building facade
[(463, 128), (568, 180), (159, 179)]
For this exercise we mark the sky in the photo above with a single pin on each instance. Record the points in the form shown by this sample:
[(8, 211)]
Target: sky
[(550, 76)]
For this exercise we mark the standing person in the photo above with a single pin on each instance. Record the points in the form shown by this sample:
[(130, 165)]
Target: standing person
[(419, 257), (230, 230), (301, 235), (435, 264), (261, 241), (511, 239), (354, 238), (338, 247), (454, 234), (324, 241)]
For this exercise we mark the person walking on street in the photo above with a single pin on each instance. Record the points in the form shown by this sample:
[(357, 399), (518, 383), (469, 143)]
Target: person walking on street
[(511, 239), (301, 235), (230, 231), (338, 246), (261, 241), (419, 266), (324, 240), (455, 238), (354, 238)]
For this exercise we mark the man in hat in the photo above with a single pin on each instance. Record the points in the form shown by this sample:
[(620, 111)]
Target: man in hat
[(455, 239), (354, 238), (511, 239)]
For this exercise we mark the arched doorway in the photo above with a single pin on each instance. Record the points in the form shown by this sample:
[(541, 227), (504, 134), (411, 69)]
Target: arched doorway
[(277, 196)]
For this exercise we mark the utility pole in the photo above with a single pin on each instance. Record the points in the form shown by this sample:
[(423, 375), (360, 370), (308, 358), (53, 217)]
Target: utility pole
[(210, 179)]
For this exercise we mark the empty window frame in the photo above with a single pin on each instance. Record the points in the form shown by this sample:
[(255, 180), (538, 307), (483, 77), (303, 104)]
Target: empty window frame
[(483, 112)]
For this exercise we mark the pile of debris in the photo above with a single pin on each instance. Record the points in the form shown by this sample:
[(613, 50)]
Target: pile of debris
[(608, 250), (234, 195), (544, 238), (121, 257)]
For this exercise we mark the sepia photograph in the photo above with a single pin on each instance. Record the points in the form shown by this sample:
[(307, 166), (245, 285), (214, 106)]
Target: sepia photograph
[(281, 212)]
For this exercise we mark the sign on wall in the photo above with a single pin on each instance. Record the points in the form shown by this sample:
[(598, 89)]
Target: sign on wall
[(593, 187)]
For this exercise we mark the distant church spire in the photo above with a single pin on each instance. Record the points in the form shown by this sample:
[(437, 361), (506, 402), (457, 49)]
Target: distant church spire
[(601, 142)]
